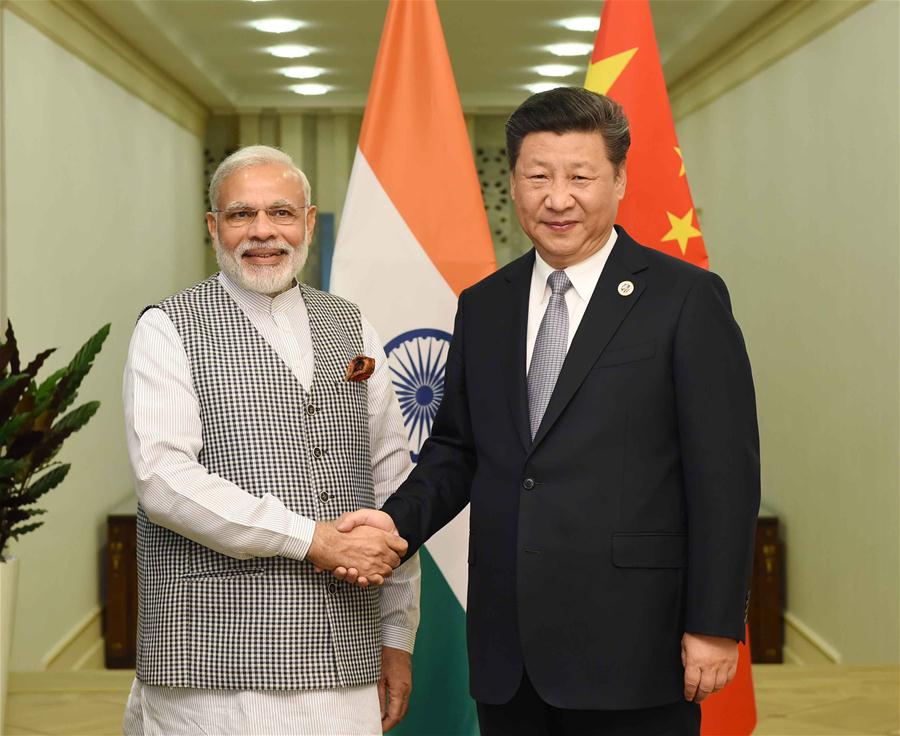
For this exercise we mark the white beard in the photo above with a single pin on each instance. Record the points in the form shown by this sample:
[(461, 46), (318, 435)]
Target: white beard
[(262, 279)]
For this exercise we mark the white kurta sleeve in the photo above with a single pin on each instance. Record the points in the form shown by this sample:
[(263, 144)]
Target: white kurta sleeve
[(164, 437), (390, 466)]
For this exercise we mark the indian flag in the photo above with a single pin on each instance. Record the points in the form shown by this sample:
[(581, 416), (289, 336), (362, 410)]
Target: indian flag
[(412, 236)]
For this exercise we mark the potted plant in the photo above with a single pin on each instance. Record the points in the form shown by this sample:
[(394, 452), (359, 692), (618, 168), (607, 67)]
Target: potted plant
[(35, 420)]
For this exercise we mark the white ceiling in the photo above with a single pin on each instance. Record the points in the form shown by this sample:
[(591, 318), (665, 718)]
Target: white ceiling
[(208, 46)]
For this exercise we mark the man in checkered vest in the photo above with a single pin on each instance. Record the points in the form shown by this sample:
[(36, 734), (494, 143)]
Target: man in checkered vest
[(255, 419)]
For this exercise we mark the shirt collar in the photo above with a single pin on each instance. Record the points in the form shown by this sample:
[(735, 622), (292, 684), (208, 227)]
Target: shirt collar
[(255, 301), (584, 275)]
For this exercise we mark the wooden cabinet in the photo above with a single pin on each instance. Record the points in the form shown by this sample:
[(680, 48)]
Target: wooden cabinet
[(766, 614), (121, 586)]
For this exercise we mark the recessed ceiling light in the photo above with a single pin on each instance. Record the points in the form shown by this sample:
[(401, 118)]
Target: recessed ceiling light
[(570, 49), (289, 51), (276, 25), (581, 24), (310, 89), (541, 86), (557, 70), (302, 72)]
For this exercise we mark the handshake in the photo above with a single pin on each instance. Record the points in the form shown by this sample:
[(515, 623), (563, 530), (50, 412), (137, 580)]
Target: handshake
[(361, 547)]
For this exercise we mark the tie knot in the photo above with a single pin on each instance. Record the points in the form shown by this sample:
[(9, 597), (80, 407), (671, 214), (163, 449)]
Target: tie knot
[(559, 282)]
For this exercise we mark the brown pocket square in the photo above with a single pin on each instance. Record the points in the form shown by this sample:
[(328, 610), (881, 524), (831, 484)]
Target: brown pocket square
[(360, 368)]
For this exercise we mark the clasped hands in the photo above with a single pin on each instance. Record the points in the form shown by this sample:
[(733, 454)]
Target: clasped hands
[(361, 547)]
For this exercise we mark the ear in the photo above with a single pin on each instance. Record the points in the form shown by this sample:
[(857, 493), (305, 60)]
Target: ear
[(512, 185), (620, 181), (211, 226), (310, 222)]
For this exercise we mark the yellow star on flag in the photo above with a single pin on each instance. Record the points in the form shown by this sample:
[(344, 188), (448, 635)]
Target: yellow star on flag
[(678, 151), (682, 229), (603, 74)]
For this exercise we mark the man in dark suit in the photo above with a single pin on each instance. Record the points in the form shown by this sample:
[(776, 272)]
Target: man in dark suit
[(599, 416)]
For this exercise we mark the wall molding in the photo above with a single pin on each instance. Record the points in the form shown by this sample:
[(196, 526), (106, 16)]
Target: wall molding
[(789, 26), (74, 27), (804, 646), (80, 647)]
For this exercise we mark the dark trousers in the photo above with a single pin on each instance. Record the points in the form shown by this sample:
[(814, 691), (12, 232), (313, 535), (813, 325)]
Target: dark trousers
[(527, 715)]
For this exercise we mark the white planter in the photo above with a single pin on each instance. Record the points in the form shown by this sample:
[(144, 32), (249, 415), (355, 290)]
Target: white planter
[(9, 571)]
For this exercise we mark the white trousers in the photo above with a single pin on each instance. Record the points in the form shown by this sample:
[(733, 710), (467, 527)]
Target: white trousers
[(178, 711)]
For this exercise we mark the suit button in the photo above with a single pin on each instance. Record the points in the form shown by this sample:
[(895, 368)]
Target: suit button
[(310, 410), (332, 588), (528, 484), (323, 496), (317, 452)]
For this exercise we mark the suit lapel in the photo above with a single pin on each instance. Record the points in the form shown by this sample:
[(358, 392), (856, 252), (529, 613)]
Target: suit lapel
[(516, 325), (604, 313)]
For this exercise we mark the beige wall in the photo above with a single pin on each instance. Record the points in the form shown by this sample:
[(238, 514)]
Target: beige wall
[(104, 214), (796, 172)]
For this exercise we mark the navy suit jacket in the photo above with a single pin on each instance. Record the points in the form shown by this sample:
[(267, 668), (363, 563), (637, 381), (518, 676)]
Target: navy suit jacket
[(629, 518)]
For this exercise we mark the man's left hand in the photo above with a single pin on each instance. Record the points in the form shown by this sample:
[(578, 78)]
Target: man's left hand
[(709, 664), (394, 686)]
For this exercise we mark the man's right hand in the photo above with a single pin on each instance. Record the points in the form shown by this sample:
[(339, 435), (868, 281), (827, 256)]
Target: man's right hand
[(373, 552), (356, 519)]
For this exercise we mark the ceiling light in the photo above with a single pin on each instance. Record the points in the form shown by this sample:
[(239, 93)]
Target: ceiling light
[(541, 86), (570, 49), (289, 51), (556, 70), (310, 89), (302, 72), (276, 25), (581, 24)]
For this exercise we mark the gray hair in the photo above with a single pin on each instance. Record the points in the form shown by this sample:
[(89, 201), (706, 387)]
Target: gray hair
[(253, 156)]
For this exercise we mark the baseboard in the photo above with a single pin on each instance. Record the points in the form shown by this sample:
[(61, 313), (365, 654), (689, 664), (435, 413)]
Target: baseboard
[(803, 646), (81, 648)]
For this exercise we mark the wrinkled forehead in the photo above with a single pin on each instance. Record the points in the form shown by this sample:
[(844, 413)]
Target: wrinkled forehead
[(268, 182)]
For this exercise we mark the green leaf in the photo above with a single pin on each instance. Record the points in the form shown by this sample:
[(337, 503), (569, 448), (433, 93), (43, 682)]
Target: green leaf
[(11, 390), (10, 468), (75, 419), (9, 351), (25, 443), (47, 387), (18, 531), (11, 428), (47, 482), (35, 365), (68, 386), (63, 428)]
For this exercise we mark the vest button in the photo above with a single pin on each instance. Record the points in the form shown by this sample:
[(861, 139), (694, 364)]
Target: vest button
[(317, 452), (332, 588), (528, 484), (310, 409), (323, 496)]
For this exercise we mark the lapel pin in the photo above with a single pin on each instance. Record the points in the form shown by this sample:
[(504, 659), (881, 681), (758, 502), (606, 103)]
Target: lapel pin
[(625, 288)]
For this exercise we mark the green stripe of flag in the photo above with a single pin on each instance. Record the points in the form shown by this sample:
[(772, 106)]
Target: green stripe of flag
[(440, 703)]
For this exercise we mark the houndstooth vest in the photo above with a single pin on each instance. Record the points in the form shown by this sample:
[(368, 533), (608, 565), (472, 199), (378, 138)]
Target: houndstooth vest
[(207, 620)]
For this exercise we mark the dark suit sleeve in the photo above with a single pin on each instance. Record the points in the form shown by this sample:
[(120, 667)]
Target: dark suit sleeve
[(438, 487), (719, 443)]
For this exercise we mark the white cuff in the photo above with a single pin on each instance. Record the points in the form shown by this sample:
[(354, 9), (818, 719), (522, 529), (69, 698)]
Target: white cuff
[(300, 537), (398, 638)]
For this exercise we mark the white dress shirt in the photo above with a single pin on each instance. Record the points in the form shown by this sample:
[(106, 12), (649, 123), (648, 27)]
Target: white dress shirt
[(584, 277), (164, 437)]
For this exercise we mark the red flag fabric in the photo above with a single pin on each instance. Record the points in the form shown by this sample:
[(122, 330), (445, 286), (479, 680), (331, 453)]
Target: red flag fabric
[(658, 211)]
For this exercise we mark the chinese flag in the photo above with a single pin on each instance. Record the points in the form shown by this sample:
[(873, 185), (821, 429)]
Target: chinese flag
[(658, 211)]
